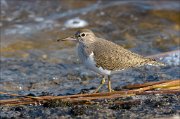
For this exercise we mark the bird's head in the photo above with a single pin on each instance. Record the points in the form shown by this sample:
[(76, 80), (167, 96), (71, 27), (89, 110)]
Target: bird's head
[(84, 36)]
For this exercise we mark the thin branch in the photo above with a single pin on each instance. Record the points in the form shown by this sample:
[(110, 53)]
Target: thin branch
[(165, 87)]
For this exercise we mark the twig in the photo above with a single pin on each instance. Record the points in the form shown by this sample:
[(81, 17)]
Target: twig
[(164, 87), (135, 86)]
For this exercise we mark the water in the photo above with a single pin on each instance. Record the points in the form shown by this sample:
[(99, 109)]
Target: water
[(32, 62)]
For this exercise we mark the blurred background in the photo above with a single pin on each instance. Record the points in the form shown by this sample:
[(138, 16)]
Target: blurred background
[(32, 59), (29, 29), (33, 63)]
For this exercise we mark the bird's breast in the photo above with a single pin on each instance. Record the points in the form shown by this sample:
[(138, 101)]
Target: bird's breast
[(81, 53), (91, 64), (89, 61)]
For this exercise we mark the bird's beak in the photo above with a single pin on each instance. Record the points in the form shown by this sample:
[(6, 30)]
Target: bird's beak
[(67, 39)]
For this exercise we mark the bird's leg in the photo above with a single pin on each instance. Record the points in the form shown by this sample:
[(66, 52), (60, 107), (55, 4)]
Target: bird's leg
[(109, 85), (101, 84)]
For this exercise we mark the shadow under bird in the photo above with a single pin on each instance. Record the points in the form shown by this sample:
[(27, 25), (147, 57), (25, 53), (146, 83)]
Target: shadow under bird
[(105, 57)]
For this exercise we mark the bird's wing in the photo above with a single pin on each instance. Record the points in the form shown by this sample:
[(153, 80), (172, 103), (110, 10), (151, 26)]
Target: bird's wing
[(111, 56)]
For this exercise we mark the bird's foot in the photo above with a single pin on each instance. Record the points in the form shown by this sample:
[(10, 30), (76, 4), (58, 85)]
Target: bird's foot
[(95, 91), (102, 83), (111, 90)]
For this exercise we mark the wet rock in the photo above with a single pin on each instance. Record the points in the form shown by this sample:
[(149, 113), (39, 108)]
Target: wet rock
[(57, 103), (31, 94), (78, 110)]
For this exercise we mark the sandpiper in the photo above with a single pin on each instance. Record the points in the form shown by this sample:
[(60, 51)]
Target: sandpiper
[(105, 57)]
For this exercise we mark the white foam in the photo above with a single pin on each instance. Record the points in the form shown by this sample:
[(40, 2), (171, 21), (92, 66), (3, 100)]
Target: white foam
[(75, 23), (172, 59), (38, 19)]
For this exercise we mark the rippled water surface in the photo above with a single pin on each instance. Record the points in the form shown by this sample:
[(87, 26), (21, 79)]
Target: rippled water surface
[(32, 62)]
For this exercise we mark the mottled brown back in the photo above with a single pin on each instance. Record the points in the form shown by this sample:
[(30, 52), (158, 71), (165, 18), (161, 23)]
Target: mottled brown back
[(111, 56)]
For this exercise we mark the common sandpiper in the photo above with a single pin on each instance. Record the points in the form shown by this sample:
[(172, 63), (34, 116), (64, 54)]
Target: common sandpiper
[(105, 57)]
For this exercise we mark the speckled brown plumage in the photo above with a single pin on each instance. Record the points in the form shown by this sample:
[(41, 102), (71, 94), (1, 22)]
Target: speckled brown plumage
[(105, 57), (109, 55)]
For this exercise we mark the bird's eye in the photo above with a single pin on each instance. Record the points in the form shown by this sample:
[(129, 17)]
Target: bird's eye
[(83, 35)]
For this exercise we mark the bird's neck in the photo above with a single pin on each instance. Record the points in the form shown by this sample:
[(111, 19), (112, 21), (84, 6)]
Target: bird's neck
[(84, 45), (84, 50)]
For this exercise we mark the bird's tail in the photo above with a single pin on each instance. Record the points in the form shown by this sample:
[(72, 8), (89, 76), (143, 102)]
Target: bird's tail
[(155, 63)]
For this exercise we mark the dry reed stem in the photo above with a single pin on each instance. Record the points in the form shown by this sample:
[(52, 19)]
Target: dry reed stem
[(163, 87)]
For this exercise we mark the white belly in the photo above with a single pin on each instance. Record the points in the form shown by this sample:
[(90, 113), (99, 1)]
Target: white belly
[(89, 61)]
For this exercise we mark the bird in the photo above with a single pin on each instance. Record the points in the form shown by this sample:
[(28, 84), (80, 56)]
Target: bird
[(105, 57)]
